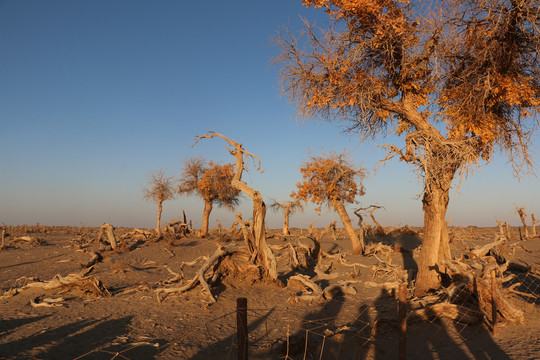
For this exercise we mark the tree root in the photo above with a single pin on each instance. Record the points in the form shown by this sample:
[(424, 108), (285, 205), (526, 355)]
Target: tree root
[(199, 278)]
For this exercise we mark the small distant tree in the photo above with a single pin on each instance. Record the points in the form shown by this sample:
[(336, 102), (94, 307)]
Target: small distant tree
[(332, 180), (288, 207), (212, 182), (160, 189)]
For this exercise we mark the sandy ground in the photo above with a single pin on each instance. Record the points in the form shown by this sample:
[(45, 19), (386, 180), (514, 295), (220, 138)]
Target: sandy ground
[(133, 324)]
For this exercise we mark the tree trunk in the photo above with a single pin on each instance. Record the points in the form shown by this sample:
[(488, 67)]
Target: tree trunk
[(435, 242), (286, 223), (264, 253), (158, 225), (206, 216), (357, 241)]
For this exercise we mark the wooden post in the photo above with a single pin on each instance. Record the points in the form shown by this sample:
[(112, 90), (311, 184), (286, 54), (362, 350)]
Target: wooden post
[(241, 328), (3, 239), (493, 303), (402, 296)]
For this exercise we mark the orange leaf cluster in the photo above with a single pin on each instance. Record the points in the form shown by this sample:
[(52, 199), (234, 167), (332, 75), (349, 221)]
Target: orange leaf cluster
[(329, 178), (211, 181)]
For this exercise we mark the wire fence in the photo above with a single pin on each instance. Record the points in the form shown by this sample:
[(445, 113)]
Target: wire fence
[(457, 325)]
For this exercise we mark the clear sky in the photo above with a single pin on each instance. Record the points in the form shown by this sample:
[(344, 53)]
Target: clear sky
[(96, 94)]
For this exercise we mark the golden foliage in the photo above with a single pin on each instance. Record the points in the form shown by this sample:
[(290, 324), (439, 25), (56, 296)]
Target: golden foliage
[(211, 181), (329, 178), (474, 65)]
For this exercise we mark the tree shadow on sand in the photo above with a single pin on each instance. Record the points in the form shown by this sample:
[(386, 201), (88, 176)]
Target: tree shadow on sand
[(405, 241), (310, 341), (6, 326), (85, 339), (227, 348), (373, 335)]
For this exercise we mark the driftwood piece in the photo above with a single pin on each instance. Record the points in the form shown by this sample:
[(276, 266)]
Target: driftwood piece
[(462, 314), (107, 231), (523, 217), (199, 278), (502, 233), (317, 293), (488, 294), (90, 285), (96, 257), (47, 302), (483, 250)]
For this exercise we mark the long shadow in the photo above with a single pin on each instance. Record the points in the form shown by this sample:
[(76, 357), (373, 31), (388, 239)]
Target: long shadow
[(17, 347), (227, 348), (32, 262), (406, 241), (309, 342), (445, 339), (86, 339), (11, 324)]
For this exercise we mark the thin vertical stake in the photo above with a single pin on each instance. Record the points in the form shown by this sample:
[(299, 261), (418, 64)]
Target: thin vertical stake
[(493, 303), (402, 309), (241, 328)]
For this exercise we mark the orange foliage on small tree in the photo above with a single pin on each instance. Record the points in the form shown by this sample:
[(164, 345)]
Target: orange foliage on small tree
[(212, 182), (160, 189), (333, 181)]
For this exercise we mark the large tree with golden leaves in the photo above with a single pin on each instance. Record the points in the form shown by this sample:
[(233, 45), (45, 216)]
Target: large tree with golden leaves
[(457, 79)]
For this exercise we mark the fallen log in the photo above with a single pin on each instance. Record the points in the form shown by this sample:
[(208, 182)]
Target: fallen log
[(89, 285), (199, 278)]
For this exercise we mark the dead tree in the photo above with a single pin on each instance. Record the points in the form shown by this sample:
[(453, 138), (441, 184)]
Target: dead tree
[(379, 231), (501, 228), (534, 221), (160, 189), (523, 217), (262, 254), (107, 230), (288, 207)]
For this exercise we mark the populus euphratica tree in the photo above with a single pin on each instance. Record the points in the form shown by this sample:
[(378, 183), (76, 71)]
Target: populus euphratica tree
[(457, 79), (212, 182), (288, 208), (332, 180), (260, 252), (160, 188)]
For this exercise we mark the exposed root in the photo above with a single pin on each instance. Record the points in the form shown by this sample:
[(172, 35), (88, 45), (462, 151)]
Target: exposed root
[(199, 278), (89, 285)]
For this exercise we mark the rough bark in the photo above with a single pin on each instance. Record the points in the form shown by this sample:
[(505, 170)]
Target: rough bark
[(357, 241), (206, 216), (286, 231), (435, 205)]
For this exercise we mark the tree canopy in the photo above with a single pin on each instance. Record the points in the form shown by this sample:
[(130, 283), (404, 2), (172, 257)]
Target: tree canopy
[(327, 178), (211, 181)]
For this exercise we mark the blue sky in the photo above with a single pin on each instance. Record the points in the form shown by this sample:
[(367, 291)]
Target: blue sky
[(94, 95)]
